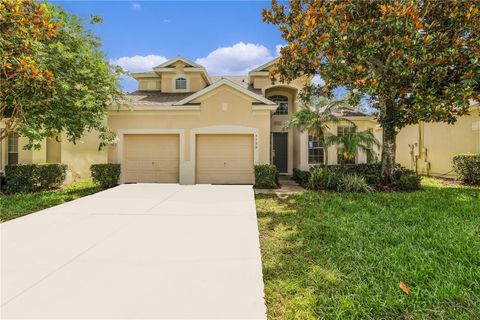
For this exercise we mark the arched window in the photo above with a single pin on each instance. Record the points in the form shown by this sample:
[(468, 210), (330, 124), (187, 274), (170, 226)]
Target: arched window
[(181, 83), (282, 102)]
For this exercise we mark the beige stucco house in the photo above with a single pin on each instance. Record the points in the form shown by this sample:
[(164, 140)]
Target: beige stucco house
[(429, 148), (185, 126)]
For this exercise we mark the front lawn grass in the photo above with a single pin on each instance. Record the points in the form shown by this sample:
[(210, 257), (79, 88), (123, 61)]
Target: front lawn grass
[(17, 205), (343, 255)]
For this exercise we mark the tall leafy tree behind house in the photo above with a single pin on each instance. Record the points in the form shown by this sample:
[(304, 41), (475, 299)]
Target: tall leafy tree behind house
[(83, 83), (315, 117), (416, 60)]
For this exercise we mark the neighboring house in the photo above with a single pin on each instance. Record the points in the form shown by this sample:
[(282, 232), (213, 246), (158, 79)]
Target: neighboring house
[(429, 148), (78, 156), (184, 126)]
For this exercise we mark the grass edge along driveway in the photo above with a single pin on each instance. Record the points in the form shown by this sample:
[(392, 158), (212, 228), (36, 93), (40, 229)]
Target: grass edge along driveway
[(17, 205), (343, 255)]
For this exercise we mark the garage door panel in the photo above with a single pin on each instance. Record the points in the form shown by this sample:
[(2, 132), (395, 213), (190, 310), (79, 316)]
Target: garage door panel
[(225, 165), (151, 158), (225, 159)]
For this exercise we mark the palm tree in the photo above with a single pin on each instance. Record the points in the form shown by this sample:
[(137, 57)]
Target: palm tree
[(315, 118), (350, 143)]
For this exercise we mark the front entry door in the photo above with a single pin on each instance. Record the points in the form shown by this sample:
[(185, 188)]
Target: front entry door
[(280, 151)]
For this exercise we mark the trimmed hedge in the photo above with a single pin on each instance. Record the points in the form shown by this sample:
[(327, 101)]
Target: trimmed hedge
[(25, 178), (266, 176), (335, 180), (301, 177), (105, 174), (355, 177), (467, 166), (409, 181), (51, 175)]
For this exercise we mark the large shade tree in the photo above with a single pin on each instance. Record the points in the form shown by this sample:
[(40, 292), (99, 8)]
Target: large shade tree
[(415, 60), (25, 80), (54, 78)]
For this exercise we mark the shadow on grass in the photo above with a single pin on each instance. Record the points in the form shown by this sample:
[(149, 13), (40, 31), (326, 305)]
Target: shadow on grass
[(343, 255)]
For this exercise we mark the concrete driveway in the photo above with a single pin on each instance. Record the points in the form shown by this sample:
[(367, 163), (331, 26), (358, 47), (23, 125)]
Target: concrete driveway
[(139, 251)]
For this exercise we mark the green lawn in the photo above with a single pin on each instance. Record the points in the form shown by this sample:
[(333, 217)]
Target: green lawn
[(342, 256), (17, 205)]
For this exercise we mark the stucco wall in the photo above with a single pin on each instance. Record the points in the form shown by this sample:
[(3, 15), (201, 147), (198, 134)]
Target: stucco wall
[(81, 155), (78, 156), (430, 147), (54, 151), (149, 84), (195, 81), (223, 110)]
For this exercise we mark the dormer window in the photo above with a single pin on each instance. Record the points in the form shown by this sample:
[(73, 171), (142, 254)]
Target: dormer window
[(181, 84)]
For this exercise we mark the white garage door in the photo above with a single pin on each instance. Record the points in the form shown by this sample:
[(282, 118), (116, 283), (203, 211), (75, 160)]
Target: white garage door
[(151, 158), (225, 159)]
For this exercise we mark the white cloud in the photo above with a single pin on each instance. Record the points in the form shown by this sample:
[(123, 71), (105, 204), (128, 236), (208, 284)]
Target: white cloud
[(136, 6), (234, 60), (139, 63), (278, 47)]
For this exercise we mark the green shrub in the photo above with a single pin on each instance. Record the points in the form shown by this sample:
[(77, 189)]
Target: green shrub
[(105, 174), (353, 183), (301, 177), (51, 175), (324, 179), (266, 176), (361, 169), (409, 182), (20, 178), (25, 178), (373, 180), (467, 166), (360, 178)]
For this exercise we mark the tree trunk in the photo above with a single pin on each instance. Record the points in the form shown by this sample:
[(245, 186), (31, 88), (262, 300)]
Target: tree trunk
[(321, 138), (388, 119), (389, 147)]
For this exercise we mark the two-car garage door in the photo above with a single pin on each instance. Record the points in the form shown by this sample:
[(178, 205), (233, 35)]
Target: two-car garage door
[(220, 158)]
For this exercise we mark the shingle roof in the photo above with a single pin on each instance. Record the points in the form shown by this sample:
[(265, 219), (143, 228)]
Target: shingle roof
[(240, 80), (156, 97), (347, 112)]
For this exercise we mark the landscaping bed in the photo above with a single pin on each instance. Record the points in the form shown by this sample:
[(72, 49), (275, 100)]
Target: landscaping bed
[(344, 255), (17, 205)]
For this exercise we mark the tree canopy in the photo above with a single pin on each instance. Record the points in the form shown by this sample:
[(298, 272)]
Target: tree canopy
[(54, 77), (416, 60)]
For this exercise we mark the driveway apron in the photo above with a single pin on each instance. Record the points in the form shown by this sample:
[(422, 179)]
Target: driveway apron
[(137, 251)]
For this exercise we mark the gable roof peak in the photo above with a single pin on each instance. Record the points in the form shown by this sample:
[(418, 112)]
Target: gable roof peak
[(176, 59), (265, 65), (230, 84)]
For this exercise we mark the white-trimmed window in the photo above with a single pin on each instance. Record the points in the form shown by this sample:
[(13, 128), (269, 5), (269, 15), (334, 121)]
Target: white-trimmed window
[(180, 84), (316, 152), (282, 102), (12, 148)]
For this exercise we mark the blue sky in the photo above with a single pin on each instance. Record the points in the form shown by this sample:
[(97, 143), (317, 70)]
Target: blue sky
[(227, 37)]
